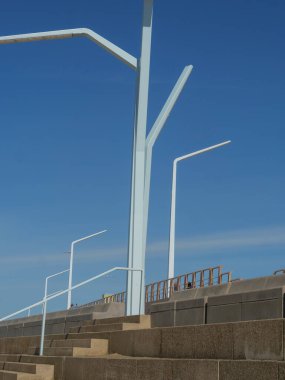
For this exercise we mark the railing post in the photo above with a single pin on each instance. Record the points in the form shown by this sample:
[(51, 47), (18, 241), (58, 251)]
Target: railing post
[(146, 294), (158, 291), (202, 279), (211, 276), (43, 327), (152, 293), (194, 280), (220, 275)]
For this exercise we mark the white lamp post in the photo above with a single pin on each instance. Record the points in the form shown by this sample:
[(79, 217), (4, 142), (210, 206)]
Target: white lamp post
[(171, 252), (71, 263), (49, 277)]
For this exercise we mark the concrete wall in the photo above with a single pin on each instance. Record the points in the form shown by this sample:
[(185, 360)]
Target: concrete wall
[(59, 322), (238, 301), (241, 286)]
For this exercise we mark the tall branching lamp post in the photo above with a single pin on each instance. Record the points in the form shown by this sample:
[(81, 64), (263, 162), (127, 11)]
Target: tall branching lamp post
[(142, 145)]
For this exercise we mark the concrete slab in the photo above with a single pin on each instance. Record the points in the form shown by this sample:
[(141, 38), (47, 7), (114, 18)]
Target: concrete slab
[(214, 341), (191, 312), (269, 309), (178, 342), (224, 313), (248, 370), (258, 340), (163, 314)]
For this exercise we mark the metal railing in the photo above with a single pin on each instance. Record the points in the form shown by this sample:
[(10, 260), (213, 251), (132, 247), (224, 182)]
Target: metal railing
[(161, 290), (164, 289), (45, 301)]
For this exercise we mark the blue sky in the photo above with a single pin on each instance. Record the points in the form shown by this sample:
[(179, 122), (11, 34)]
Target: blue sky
[(66, 122)]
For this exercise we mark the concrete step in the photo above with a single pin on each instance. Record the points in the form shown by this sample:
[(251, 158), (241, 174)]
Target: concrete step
[(107, 327), (10, 358), (44, 370), (172, 369), (11, 375), (255, 340), (75, 347), (141, 319), (100, 344), (120, 367)]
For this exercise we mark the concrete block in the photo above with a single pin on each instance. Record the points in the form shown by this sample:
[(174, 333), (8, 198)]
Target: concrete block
[(122, 342), (248, 370), (190, 312), (224, 313), (178, 342), (58, 328), (261, 295), (269, 309), (84, 369), (15, 330), (195, 369), (32, 330), (79, 317), (163, 314), (119, 369), (3, 331), (203, 369), (225, 300), (147, 343), (258, 340), (154, 369), (214, 341)]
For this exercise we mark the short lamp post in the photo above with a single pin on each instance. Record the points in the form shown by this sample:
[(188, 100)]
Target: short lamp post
[(51, 276), (171, 252), (71, 263)]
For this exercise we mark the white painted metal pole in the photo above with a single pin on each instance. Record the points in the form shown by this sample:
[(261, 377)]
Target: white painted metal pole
[(43, 326), (71, 264), (171, 253), (51, 276), (154, 134), (135, 287), (70, 277), (172, 223), (69, 33)]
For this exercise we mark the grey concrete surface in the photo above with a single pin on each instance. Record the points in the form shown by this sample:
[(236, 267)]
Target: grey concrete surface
[(59, 322)]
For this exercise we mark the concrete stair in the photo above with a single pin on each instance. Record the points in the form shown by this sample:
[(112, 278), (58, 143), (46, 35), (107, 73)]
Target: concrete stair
[(73, 347), (252, 350), (106, 327), (25, 371), (113, 324)]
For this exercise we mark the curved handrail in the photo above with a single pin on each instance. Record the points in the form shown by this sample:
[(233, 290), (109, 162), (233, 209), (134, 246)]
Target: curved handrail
[(60, 293)]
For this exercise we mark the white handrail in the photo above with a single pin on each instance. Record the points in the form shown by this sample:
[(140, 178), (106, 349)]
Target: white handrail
[(53, 296)]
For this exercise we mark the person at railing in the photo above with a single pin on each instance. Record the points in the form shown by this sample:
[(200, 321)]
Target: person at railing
[(189, 285)]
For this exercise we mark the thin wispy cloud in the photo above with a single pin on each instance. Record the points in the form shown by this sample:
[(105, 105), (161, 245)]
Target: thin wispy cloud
[(238, 239), (222, 242)]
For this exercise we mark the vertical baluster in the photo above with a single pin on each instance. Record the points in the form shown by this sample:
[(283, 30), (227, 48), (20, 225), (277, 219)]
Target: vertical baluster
[(158, 291), (194, 279), (171, 290), (220, 279), (211, 275), (152, 293), (146, 294), (201, 279), (178, 283)]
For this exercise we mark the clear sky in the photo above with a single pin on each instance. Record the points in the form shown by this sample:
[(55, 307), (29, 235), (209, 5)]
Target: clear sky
[(66, 122)]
